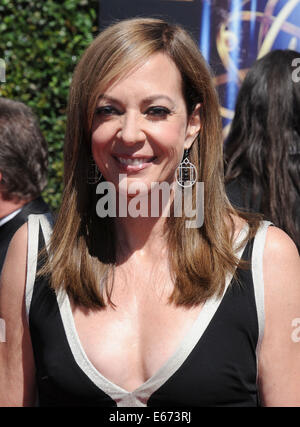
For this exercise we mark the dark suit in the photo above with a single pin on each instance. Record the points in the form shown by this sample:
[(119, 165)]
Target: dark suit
[(7, 230)]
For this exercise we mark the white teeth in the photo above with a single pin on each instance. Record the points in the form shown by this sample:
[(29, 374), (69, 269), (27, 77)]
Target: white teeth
[(134, 162)]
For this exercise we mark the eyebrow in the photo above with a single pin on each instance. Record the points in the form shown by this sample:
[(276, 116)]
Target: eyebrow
[(156, 97), (146, 100)]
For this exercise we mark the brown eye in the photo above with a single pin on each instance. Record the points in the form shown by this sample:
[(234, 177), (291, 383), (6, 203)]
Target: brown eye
[(106, 111), (158, 111)]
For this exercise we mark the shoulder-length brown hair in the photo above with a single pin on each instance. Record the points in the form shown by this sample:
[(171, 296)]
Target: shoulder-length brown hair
[(82, 249)]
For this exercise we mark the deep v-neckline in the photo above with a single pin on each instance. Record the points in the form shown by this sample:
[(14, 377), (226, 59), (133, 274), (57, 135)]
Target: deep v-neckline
[(140, 395)]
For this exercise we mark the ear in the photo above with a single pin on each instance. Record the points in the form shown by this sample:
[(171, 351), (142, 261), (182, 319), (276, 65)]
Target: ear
[(193, 127)]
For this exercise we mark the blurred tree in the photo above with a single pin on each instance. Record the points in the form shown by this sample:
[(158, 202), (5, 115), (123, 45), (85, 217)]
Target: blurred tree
[(40, 43)]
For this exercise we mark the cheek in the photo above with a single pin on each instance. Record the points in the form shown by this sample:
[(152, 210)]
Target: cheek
[(101, 145), (170, 137), (101, 136)]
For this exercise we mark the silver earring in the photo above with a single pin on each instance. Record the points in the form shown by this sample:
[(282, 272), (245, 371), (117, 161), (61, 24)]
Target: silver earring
[(93, 175), (186, 173)]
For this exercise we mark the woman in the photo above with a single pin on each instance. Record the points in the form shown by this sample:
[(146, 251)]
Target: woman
[(148, 311), (262, 151)]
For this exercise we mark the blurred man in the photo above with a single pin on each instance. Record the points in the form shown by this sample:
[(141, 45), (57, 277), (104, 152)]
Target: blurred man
[(23, 169)]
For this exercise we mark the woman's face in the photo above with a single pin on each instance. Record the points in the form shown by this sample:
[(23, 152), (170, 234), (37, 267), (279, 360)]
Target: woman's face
[(141, 127)]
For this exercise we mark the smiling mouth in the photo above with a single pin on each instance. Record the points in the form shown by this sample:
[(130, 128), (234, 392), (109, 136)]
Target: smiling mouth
[(134, 162)]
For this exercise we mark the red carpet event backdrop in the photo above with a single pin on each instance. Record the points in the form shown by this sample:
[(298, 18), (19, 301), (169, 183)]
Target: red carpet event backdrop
[(231, 34)]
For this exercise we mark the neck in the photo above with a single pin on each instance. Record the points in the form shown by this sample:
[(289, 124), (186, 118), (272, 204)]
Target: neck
[(9, 206), (142, 235), (139, 235)]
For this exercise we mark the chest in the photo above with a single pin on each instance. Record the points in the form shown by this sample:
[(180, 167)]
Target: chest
[(129, 343)]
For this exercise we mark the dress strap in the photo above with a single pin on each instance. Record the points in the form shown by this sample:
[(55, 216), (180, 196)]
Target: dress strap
[(34, 222), (257, 274)]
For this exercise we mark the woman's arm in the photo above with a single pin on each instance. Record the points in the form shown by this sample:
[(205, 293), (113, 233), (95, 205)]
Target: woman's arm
[(279, 359), (17, 371)]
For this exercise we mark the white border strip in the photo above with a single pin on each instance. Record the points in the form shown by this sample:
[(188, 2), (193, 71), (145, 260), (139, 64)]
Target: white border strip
[(32, 253), (258, 278), (34, 220), (46, 224)]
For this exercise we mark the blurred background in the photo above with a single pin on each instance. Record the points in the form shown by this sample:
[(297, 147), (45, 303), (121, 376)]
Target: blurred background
[(41, 42)]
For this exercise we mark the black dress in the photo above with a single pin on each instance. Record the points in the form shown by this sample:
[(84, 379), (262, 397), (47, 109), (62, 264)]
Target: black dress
[(214, 365)]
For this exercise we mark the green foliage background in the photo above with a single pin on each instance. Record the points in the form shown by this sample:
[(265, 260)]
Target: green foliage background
[(41, 42)]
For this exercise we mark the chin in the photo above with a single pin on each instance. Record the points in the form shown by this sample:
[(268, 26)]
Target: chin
[(131, 188)]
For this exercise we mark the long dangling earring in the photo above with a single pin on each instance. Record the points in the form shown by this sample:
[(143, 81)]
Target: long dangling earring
[(186, 173), (93, 174)]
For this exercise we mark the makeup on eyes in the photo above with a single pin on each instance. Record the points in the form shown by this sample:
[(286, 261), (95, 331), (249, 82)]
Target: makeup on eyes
[(111, 104), (156, 111)]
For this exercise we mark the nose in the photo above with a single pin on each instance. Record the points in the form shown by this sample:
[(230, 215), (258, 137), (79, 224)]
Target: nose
[(131, 130)]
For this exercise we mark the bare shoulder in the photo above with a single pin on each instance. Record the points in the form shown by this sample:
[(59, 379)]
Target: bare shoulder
[(14, 268), (281, 257), (280, 354), (281, 270), (279, 242), (19, 240)]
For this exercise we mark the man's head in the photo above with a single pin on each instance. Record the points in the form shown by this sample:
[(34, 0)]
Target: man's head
[(23, 153)]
